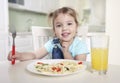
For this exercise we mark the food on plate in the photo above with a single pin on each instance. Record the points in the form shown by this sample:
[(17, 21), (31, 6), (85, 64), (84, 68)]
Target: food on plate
[(62, 67)]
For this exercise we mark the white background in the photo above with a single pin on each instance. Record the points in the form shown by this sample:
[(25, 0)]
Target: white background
[(113, 30)]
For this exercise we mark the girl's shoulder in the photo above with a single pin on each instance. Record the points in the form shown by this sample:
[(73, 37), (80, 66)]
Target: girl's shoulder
[(78, 41), (53, 41)]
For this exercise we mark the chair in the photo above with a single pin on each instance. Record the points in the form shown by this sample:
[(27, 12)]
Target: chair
[(40, 36), (86, 39)]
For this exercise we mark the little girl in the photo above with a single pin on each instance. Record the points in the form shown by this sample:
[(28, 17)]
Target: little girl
[(65, 24)]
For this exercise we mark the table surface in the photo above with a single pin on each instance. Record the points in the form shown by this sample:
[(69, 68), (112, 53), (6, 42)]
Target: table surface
[(18, 74)]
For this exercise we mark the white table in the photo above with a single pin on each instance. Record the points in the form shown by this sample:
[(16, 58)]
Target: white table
[(18, 74)]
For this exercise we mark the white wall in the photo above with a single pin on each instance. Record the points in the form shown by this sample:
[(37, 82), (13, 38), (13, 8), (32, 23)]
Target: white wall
[(113, 30), (3, 30)]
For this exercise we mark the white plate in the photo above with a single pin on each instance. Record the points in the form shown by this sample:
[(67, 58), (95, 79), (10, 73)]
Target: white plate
[(31, 67)]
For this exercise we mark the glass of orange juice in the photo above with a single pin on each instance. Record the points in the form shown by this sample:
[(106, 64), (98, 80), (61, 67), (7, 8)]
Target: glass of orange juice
[(99, 53)]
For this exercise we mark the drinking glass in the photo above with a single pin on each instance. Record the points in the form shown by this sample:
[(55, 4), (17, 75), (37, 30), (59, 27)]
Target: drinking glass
[(99, 53)]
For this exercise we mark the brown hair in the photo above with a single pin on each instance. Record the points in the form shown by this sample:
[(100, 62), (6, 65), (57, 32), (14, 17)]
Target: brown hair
[(64, 10)]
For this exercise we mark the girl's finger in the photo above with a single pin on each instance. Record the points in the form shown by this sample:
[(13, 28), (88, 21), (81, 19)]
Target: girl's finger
[(13, 57)]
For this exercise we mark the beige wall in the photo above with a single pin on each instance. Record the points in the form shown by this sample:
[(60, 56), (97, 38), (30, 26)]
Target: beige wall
[(113, 30)]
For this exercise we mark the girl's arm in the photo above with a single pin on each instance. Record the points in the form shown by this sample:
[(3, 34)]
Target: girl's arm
[(67, 55), (81, 57), (23, 56), (40, 53)]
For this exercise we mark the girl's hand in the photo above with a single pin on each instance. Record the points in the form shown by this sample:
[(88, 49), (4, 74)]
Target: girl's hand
[(65, 46), (65, 49), (16, 56)]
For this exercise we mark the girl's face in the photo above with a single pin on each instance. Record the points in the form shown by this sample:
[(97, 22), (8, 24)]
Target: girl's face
[(65, 27)]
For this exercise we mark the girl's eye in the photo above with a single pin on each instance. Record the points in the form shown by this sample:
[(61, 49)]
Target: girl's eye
[(69, 23), (58, 25)]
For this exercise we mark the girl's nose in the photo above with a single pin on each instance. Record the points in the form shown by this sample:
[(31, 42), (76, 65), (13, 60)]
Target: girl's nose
[(64, 27)]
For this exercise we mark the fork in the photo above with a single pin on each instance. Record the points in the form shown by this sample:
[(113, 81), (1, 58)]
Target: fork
[(13, 31), (13, 46)]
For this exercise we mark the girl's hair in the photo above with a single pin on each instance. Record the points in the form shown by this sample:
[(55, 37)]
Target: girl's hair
[(64, 10)]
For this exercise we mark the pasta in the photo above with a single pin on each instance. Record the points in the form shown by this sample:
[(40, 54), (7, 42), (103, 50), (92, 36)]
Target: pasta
[(62, 67)]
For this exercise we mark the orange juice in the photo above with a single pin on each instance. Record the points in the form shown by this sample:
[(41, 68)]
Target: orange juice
[(99, 58)]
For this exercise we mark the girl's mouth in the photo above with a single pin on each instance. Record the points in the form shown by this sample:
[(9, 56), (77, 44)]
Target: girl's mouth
[(65, 34)]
